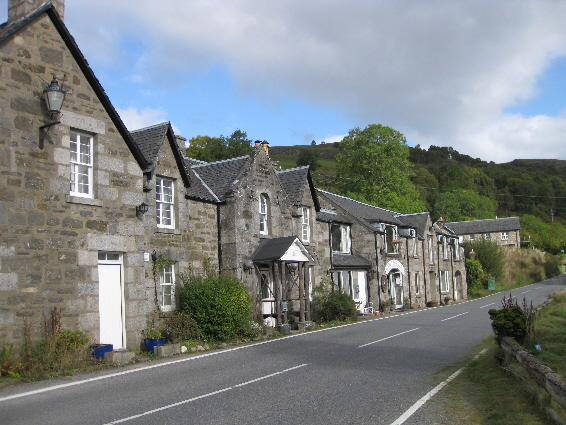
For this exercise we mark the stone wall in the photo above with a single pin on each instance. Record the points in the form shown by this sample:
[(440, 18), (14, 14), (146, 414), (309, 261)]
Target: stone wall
[(50, 241)]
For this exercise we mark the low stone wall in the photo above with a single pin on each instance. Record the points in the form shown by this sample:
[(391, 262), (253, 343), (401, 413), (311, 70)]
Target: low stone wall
[(544, 377)]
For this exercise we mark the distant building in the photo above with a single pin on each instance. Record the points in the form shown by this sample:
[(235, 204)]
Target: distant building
[(503, 231)]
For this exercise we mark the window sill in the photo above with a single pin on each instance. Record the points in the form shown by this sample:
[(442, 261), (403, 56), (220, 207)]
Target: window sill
[(84, 201), (393, 254), (168, 231)]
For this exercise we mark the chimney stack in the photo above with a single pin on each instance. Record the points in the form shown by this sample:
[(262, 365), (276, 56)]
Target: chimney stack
[(265, 145), (182, 143), (18, 9)]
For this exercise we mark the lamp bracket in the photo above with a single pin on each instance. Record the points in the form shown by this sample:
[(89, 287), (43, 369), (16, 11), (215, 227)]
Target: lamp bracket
[(43, 130)]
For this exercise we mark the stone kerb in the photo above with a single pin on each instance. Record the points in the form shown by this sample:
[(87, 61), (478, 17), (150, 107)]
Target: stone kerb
[(545, 378)]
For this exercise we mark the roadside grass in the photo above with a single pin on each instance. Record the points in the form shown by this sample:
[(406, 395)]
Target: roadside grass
[(521, 267), (550, 334), (489, 391)]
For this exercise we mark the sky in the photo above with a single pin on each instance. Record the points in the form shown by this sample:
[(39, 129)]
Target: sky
[(487, 78)]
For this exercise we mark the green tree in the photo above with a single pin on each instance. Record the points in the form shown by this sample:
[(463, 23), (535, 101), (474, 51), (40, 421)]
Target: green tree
[(372, 166), (463, 205), (308, 157), (209, 149)]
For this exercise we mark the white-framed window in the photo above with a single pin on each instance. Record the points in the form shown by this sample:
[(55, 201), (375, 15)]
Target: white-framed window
[(414, 247), (305, 224), (263, 214), (444, 281), (472, 237), (445, 248), (456, 249), (487, 236), (164, 202), (417, 283), (341, 239), (504, 236), (430, 250), (81, 165), (390, 236), (167, 283)]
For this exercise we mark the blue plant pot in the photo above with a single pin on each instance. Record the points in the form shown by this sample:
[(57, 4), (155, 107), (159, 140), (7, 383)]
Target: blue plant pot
[(98, 350), (150, 344)]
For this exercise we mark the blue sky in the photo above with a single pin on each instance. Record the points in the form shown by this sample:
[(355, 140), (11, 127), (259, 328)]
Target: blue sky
[(487, 78)]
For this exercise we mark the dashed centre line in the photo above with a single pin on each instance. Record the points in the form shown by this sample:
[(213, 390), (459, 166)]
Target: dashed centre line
[(179, 403), (383, 339), (453, 317)]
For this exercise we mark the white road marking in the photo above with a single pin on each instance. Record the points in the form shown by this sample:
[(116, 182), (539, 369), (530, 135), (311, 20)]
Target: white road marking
[(401, 419), (383, 339), (150, 412), (487, 305), (450, 318)]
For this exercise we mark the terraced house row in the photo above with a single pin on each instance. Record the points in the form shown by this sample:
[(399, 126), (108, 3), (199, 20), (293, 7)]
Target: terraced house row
[(87, 209)]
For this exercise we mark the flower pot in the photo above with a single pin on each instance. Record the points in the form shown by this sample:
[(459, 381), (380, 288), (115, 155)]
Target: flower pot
[(150, 343), (98, 350)]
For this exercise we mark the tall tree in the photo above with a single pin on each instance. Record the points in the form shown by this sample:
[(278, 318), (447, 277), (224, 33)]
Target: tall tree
[(210, 149), (373, 166), (308, 157)]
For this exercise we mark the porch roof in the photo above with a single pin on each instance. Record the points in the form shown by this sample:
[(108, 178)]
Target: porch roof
[(288, 248)]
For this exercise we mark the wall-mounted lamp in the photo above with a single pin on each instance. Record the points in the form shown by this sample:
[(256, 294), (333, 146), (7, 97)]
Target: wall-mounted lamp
[(141, 209), (154, 256), (293, 267), (54, 95), (248, 264)]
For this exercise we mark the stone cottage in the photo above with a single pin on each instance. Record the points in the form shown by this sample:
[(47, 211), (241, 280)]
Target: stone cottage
[(70, 184), (502, 231), (385, 258)]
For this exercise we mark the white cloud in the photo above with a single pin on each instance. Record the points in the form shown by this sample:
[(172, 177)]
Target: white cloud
[(439, 71), (135, 119), (332, 139)]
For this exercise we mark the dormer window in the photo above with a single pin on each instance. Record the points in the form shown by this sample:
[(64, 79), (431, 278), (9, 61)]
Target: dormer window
[(305, 224), (341, 239), (263, 214)]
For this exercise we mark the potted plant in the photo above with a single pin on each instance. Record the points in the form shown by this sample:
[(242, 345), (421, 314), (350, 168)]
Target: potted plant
[(153, 338)]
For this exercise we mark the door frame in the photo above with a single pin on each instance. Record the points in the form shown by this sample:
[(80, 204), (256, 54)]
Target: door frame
[(116, 262)]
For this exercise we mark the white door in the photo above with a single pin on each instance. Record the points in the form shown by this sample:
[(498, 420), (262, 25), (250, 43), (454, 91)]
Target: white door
[(110, 299), (397, 289)]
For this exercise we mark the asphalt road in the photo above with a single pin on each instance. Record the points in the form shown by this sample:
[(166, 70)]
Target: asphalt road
[(371, 372)]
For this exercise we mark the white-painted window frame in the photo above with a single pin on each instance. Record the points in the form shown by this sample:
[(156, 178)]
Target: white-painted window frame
[(81, 164)]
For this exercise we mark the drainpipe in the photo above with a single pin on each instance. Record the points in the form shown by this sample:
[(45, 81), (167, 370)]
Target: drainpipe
[(377, 272), (408, 268), (219, 231), (331, 252), (425, 270)]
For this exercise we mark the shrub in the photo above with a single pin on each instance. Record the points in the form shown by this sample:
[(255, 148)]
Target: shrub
[(509, 321), (182, 327), (490, 255), (219, 304), (336, 306), (551, 265), (476, 276)]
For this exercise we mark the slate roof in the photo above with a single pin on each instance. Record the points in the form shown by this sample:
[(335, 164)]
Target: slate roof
[(330, 216), (484, 226), (150, 140), (417, 221), (273, 249), (293, 182), (8, 30), (364, 212), (350, 261), (218, 176)]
